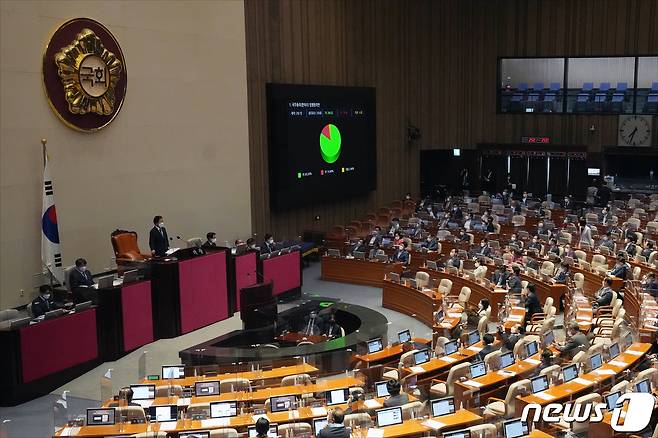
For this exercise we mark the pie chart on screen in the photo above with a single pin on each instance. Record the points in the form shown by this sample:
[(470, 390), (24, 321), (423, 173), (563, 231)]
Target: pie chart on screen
[(330, 143)]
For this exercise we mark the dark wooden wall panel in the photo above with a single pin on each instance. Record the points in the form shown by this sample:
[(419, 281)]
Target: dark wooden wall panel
[(433, 63)]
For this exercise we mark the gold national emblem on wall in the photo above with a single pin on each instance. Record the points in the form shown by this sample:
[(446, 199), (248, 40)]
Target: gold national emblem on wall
[(84, 75)]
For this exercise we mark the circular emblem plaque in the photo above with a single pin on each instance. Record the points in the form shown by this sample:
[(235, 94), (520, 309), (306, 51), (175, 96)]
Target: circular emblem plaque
[(84, 74)]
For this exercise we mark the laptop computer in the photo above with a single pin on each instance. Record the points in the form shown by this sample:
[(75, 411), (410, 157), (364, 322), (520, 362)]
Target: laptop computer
[(319, 424), (173, 371), (613, 350), (539, 384), (422, 356), (82, 306), (450, 347), (611, 400), (458, 434), (515, 428), (337, 396), (506, 359), (163, 413), (473, 338), (431, 264), (478, 369), (143, 392), (643, 386), (404, 336), (130, 276), (531, 348), (202, 389), (389, 416), (283, 403), (595, 361), (443, 406), (106, 282), (570, 372), (381, 390), (101, 417), (375, 345), (223, 409)]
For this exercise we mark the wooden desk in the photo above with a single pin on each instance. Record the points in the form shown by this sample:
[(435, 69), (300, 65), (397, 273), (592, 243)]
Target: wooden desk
[(413, 302), (296, 337), (584, 383), (357, 271), (458, 420), (388, 354), (273, 374), (539, 434)]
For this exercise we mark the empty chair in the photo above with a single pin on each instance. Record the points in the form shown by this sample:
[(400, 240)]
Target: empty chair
[(393, 373), (464, 296), (445, 286), (296, 379), (620, 386), (599, 263), (580, 255), (588, 86), (538, 86), (410, 410), (483, 431), (650, 373), (233, 385), (523, 86), (422, 279), (168, 390), (198, 411), (492, 360), (292, 430), (361, 420), (579, 280), (440, 388), (548, 268), (224, 433), (580, 427), (553, 372), (439, 348), (507, 407), (131, 414)]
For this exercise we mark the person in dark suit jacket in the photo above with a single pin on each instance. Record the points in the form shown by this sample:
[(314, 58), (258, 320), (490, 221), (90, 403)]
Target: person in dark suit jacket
[(576, 343), (457, 214), (517, 333), (44, 302), (430, 243), (331, 328), (646, 252), (125, 398), (400, 255), (375, 238), (532, 304), (535, 244), (488, 340), (158, 238), (453, 259), (631, 248), (81, 282), (268, 245), (395, 397), (485, 249), (335, 427), (514, 282), (604, 295), (563, 274), (499, 277), (358, 247), (211, 240), (262, 427), (621, 268)]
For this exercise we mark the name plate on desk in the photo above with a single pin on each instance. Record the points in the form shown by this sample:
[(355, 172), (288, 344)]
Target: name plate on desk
[(542, 395), (532, 361), (322, 411), (433, 424), (473, 383), (418, 369), (215, 422), (604, 372), (375, 433), (581, 381), (448, 359), (617, 363)]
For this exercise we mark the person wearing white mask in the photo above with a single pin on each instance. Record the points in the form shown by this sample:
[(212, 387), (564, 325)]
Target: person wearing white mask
[(268, 245), (211, 240), (158, 239), (81, 282), (44, 302)]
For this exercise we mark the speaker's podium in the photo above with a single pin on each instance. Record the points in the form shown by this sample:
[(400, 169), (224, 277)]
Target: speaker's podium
[(189, 290), (258, 311)]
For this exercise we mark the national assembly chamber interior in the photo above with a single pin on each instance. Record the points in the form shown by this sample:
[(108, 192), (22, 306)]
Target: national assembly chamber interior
[(328, 218)]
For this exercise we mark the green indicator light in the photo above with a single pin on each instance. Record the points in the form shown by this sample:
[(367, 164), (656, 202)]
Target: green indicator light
[(299, 174), (330, 143)]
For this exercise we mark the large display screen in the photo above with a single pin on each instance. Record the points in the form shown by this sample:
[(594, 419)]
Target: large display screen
[(322, 143)]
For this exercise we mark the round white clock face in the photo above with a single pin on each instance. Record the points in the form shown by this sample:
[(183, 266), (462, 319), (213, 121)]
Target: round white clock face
[(635, 131)]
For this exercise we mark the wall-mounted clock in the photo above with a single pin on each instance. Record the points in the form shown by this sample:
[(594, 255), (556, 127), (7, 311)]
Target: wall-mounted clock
[(634, 130)]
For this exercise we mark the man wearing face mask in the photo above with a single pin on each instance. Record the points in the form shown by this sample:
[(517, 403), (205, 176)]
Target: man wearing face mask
[(44, 302), (81, 282), (268, 245), (158, 238), (401, 255), (211, 240)]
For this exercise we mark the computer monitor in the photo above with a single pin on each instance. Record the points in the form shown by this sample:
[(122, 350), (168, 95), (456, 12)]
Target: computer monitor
[(272, 433), (431, 264), (478, 369), (570, 372), (404, 336), (515, 428), (337, 396), (130, 276), (283, 403), (443, 406), (539, 383), (223, 409), (611, 400), (319, 424), (613, 350), (106, 282), (422, 356), (163, 413), (53, 314), (202, 389), (506, 359), (548, 338), (473, 338), (381, 390), (195, 434), (173, 371), (375, 345), (458, 434), (595, 361), (628, 340), (531, 348), (643, 386), (101, 417), (450, 347), (143, 392), (389, 416)]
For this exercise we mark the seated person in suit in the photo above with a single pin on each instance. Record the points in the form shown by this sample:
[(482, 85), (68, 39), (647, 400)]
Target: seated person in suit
[(81, 282), (397, 238), (514, 282), (621, 268), (515, 242), (650, 284), (484, 249), (535, 244), (607, 242), (490, 228), (631, 248), (517, 256), (158, 238), (467, 222), (500, 276), (532, 304), (463, 237), (646, 252), (268, 245), (125, 398), (400, 255), (357, 247), (605, 217), (335, 427), (563, 273), (376, 237), (456, 215), (604, 295), (577, 341), (546, 361), (517, 332), (553, 247), (453, 260), (473, 318), (569, 252), (430, 243), (480, 268), (211, 240), (542, 228), (251, 244), (262, 427), (395, 226), (44, 302), (395, 398), (331, 328), (488, 340)]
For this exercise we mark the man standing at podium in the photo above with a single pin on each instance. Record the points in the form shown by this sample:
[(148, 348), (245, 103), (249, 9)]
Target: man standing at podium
[(158, 239)]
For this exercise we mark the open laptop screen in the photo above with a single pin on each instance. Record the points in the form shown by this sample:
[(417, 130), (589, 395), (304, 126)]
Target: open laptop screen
[(389, 416), (443, 406)]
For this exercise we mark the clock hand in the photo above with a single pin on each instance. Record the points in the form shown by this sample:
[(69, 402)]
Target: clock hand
[(630, 137)]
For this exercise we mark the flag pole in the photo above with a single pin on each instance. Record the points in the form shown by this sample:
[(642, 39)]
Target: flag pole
[(43, 151)]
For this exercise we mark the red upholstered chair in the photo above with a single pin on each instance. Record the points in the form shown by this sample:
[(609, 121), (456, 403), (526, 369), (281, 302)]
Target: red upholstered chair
[(126, 249)]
